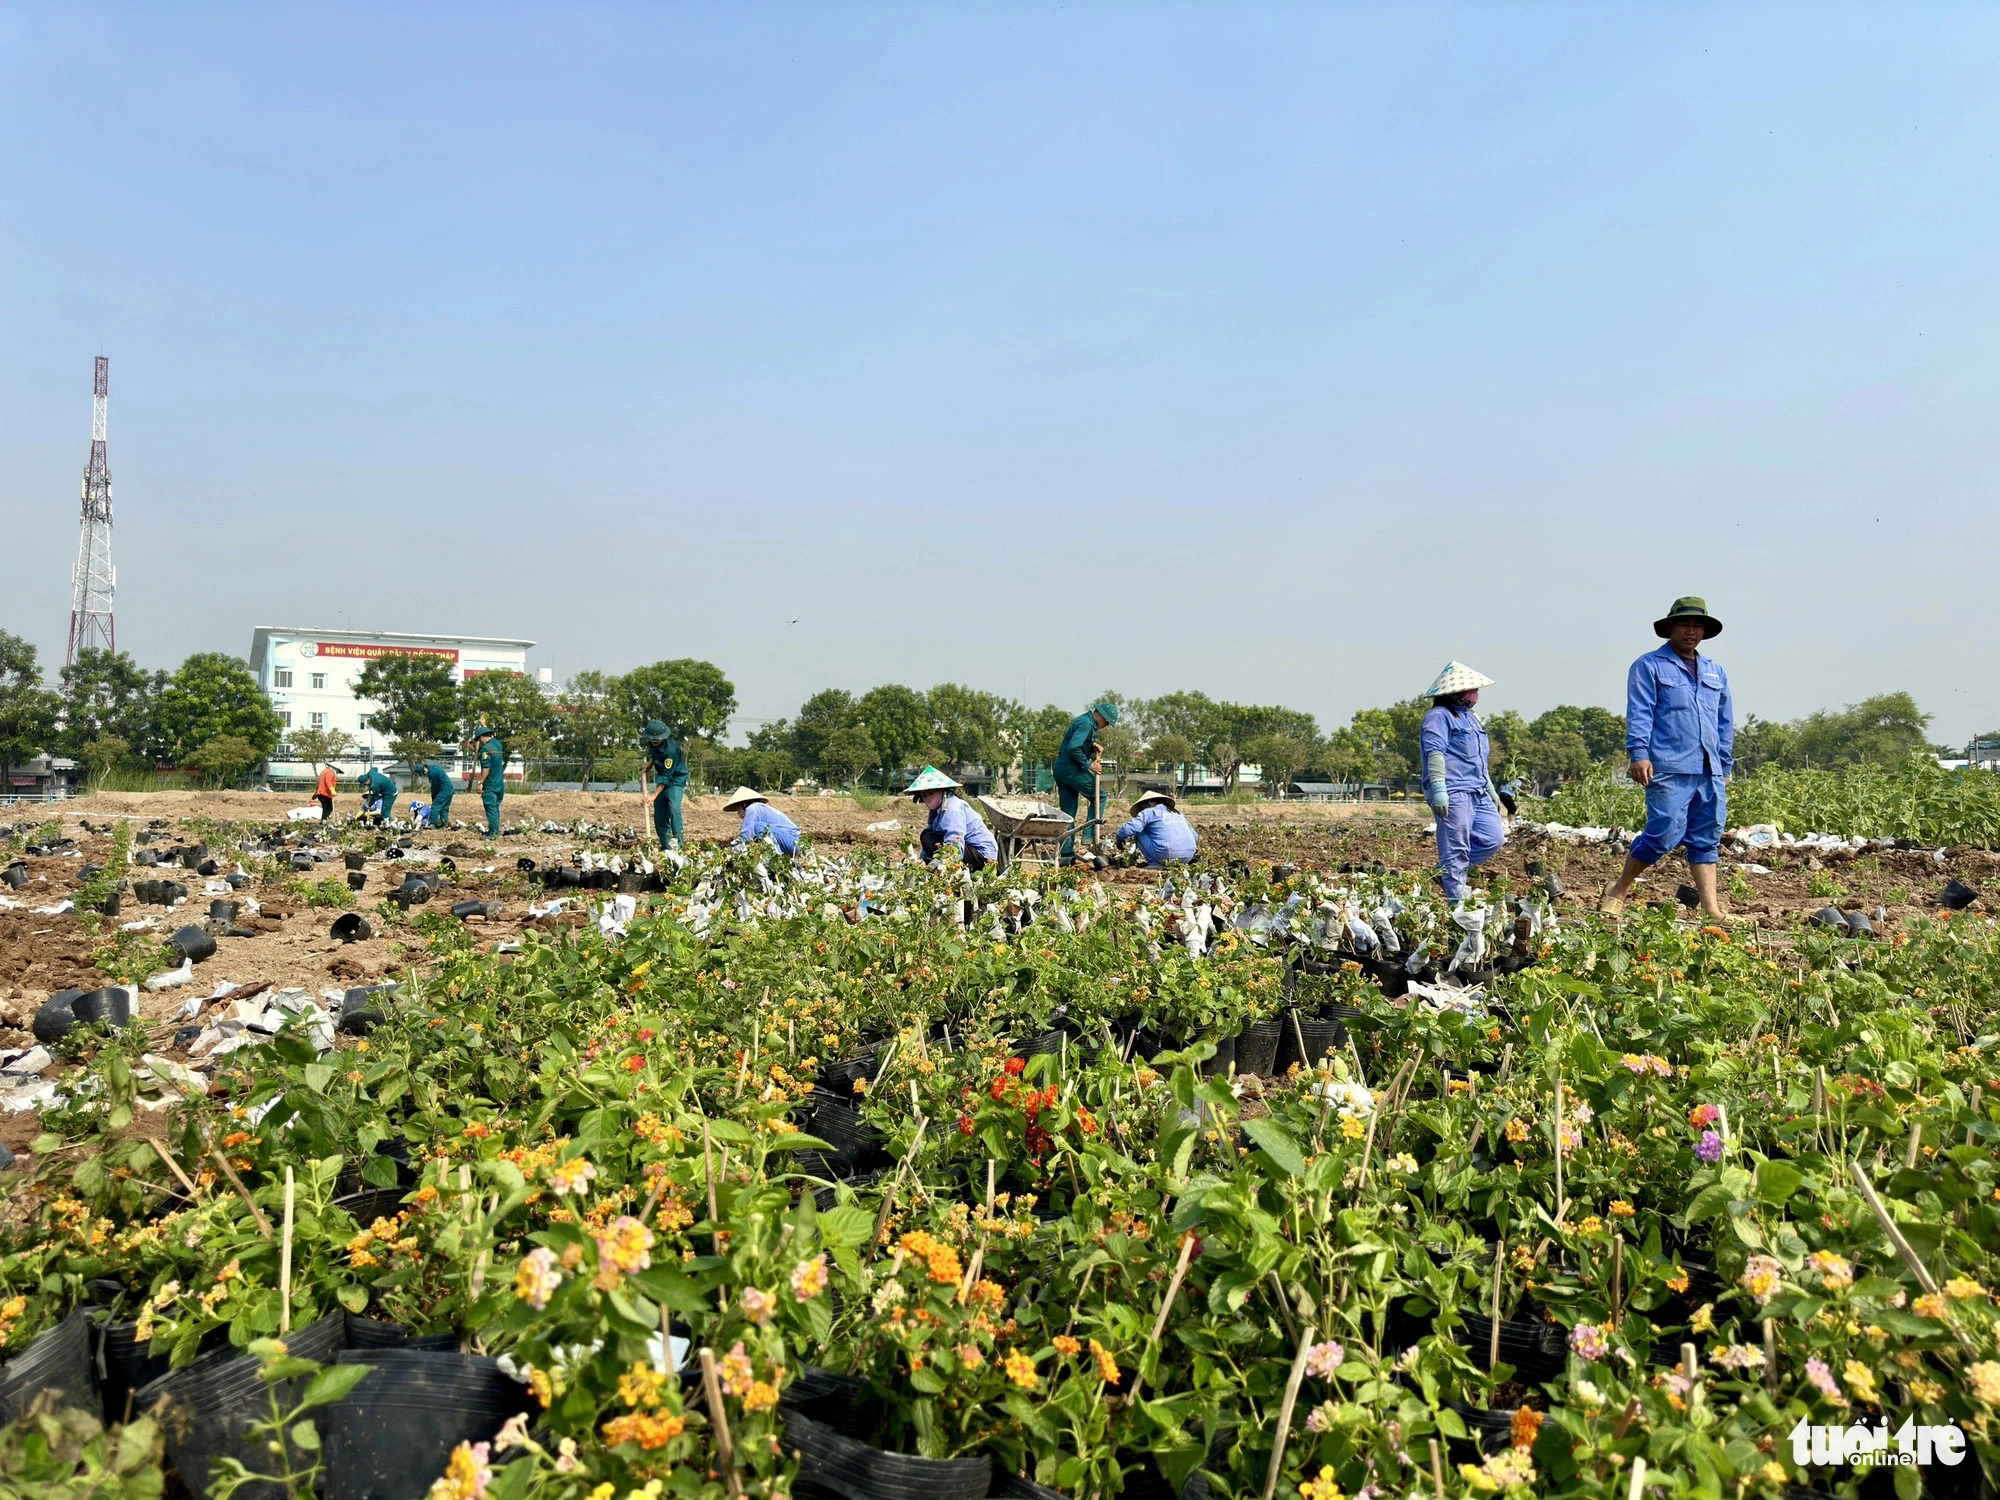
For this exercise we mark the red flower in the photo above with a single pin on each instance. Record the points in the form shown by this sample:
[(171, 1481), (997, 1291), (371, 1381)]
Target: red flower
[(965, 1124), (634, 1063), (647, 1035), (999, 1088), (1014, 1066)]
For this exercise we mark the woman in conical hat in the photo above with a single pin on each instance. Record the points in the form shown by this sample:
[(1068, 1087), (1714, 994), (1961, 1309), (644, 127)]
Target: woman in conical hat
[(952, 823), (1457, 785), (761, 819)]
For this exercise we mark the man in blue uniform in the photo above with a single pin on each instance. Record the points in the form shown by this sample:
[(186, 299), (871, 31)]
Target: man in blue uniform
[(1164, 836), (440, 784), (1455, 753), (759, 819), (491, 766), (378, 789), (952, 824), (1680, 733), (667, 766), (1076, 768)]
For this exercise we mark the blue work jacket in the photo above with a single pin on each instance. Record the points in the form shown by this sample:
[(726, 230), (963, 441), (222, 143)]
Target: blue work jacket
[(1462, 739), (1678, 714), (760, 818), (1163, 834), (960, 825)]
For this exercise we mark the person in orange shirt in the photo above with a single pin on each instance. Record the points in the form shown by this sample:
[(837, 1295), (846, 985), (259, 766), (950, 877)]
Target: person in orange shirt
[(323, 793)]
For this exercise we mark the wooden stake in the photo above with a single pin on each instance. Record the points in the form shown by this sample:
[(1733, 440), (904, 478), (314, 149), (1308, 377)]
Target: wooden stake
[(1770, 1356), (1285, 1409), (1166, 1307), (221, 1161), (1437, 1470), (1638, 1479), (1916, 1139), (708, 1167), (889, 1198), (1284, 1306), (724, 1447), (160, 1150), (1560, 1204), (285, 1264), (1895, 1236), (1617, 1276)]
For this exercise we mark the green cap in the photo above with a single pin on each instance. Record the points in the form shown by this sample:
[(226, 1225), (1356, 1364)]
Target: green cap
[(1690, 607), (931, 779), (1106, 708), (655, 731)]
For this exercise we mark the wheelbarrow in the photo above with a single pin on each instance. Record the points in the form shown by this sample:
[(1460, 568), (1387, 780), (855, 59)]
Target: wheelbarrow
[(1020, 823)]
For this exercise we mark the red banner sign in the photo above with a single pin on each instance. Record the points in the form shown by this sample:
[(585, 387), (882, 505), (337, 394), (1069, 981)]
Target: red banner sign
[(354, 652)]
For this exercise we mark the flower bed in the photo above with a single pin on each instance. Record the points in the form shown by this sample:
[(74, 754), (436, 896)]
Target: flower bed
[(1639, 1166)]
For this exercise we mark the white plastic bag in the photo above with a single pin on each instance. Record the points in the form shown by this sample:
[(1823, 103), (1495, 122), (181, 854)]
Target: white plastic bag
[(1471, 920)]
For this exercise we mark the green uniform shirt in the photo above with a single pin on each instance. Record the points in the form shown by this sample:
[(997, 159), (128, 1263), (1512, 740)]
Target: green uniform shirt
[(493, 761), (669, 762), (1073, 759)]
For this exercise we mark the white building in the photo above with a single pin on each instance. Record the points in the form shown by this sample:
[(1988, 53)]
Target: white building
[(309, 677)]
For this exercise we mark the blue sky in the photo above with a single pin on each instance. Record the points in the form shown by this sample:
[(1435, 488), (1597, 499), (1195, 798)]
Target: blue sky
[(1281, 352)]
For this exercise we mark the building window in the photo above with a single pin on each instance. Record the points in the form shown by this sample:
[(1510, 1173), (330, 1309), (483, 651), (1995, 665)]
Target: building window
[(284, 718), (319, 681), (281, 677), (316, 721), (362, 723)]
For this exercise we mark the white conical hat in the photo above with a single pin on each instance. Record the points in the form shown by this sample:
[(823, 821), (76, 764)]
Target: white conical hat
[(931, 779), (742, 796), (1456, 677)]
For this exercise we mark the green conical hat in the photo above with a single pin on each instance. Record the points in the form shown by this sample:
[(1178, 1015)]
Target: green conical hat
[(931, 779)]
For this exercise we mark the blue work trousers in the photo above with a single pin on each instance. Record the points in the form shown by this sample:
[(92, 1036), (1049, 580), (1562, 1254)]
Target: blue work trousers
[(1468, 835), (1070, 798), (1683, 808)]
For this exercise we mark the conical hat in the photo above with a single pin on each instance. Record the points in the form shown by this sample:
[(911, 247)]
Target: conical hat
[(1456, 677), (931, 779), (742, 797), (1146, 797)]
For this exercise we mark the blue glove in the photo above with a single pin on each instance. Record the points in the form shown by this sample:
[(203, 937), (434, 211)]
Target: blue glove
[(1438, 798)]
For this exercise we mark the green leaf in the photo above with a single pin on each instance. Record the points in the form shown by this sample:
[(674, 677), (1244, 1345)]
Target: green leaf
[(305, 1436), (318, 1076), (46, 1142), (1451, 1424), (353, 1298), (332, 1384), (1778, 1180), (728, 1132), (799, 1141), (845, 1224), (1276, 1142), (928, 1381)]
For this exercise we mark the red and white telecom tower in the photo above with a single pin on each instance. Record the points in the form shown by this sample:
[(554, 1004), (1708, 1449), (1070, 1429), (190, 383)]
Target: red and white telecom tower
[(94, 580)]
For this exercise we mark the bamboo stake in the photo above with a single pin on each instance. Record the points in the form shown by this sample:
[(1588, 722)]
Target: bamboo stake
[(160, 1150), (1638, 1479), (708, 1168), (1285, 1409), (1437, 1470), (889, 1198), (1617, 1277), (1902, 1246), (1770, 1356), (1916, 1139), (724, 1446), (1166, 1307), (285, 1264), (1493, 1336), (1284, 1306), (1560, 1203), (263, 1224)]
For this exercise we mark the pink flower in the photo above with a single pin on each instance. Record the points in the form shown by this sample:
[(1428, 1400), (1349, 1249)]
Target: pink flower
[(1323, 1359), (1703, 1115), (1823, 1381), (809, 1278), (1589, 1341), (758, 1305)]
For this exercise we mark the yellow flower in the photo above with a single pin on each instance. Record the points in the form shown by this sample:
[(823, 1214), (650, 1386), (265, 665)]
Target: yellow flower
[(1021, 1370), (1963, 1289), (1835, 1273), (1620, 1209), (1517, 1131), (1322, 1488), (641, 1386), (1066, 1346), (1930, 1305), (1927, 1391), (1773, 1473), (649, 1430), (1984, 1378), (1107, 1367), (1351, 1128), (1703, 1320)]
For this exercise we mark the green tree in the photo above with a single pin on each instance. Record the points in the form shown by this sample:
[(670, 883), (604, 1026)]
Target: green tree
[(821, 716), (1601, 731), (510, 704), (1039, 732), (210, 695), (1121, 747), (846, 753), (104, 693), (588, 726), (223, 760), (27, 709), (899, 722), (1558, 757), (1510, 736), (318, 746), (1172, 752), (1279, 757), (968, 726), (1226, 760), (1876, 731), (690, 697), (1390, 737), (104, 755), (1194, 717), (418, 697)]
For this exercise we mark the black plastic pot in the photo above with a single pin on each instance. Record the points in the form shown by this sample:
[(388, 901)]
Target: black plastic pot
[(1859, 926), (856, 1144), (113, 903), (1535, 1349), (838, 1078), (377, 1333), (1008, 1485), (1224, 1059), (350, 927), (55, 1017), (215, 1399), (830, 1399), (237, 882), (840, 1465), (369, 1204), (1257, 1046), (356, 880), (1492, 1430), (1957, 895), (145, 857), (113, 1004), (57, 1361), (193, 943), (465, 909), (1319, 1037), (223, 910), (124, 1365), (206, 867), (354, 861), (395, 1431), (1147, 1483), (15, 875)]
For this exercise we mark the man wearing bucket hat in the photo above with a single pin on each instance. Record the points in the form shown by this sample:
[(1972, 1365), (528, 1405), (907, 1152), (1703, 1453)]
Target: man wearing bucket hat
[(667, 765), (492, 768), (1680, 732), (952, 821), (1076, 768), (1164, 836), (440, 785), (381, 790), (759, 819), (1457, 782)]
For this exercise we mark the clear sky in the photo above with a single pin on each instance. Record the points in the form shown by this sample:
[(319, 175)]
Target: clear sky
[(1280, 352)]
